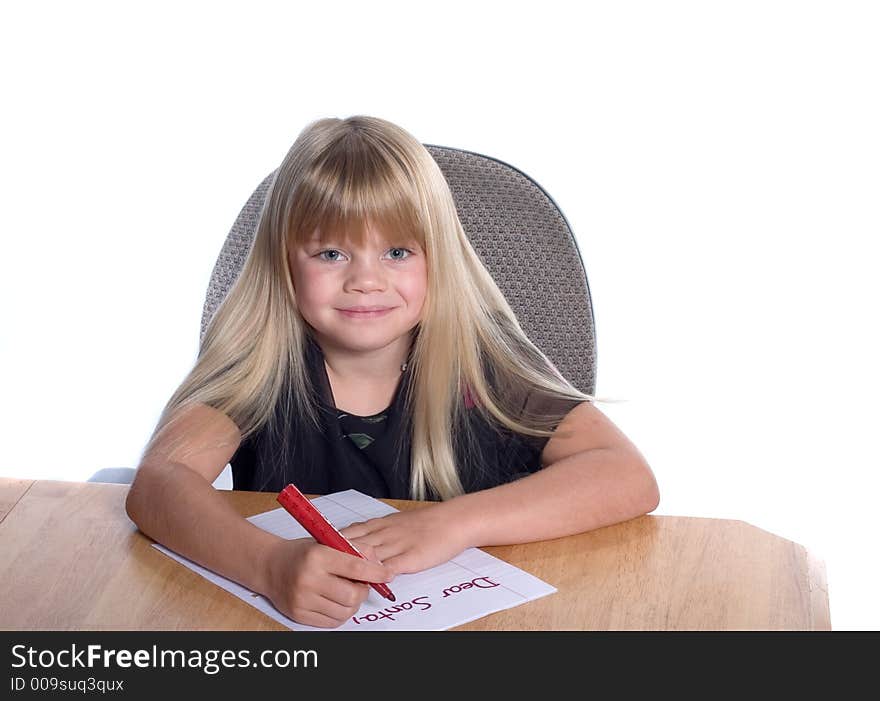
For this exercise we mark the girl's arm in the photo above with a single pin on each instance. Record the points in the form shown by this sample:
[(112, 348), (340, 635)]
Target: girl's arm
[(173, 501), (591, 478), (595, 477)]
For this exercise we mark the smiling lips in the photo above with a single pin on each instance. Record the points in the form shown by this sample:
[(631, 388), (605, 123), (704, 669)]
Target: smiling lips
[(362, 312)]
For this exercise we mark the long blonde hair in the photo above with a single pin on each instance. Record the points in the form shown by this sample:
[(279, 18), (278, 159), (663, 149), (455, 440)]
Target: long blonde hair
[(340, 175)]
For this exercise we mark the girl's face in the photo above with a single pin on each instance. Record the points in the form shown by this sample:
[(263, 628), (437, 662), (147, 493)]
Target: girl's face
[(334, 282)]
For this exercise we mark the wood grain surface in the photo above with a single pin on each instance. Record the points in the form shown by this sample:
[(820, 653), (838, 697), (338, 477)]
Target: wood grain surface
[(72, 560)]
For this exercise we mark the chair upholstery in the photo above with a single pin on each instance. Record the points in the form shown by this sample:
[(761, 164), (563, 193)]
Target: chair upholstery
[(113, 475), (518, 232), (125, 475)]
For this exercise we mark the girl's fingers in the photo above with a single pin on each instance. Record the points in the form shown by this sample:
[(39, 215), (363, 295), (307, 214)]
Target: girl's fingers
[(356, 530), (386, 551), (338, 601), (356, 568), (366, 549), (367, 543), (319, 620), (343, 593), (380, 544), (402, 562)]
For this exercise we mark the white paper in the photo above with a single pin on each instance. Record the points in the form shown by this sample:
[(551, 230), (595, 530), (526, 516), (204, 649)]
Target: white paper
[(470, 586)]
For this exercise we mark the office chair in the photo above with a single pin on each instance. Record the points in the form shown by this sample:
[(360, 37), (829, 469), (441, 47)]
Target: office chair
[(519, 233)]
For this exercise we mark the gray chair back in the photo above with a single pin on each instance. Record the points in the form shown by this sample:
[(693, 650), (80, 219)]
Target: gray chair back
[(519, 233)]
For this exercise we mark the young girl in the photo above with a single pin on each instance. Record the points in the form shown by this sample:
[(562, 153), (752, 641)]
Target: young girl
[(364, 345)]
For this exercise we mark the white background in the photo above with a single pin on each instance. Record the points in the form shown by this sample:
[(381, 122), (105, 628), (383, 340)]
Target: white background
[(719, 164)]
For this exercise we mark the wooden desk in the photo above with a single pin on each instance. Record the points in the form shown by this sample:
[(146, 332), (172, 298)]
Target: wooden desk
[(72, 560)]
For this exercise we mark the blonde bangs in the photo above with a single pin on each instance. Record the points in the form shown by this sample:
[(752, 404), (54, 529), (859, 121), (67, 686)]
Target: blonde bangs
[(356, 187)]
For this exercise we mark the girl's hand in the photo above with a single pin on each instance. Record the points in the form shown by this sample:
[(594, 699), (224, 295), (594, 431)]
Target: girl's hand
[(411, 541), (314, 584)]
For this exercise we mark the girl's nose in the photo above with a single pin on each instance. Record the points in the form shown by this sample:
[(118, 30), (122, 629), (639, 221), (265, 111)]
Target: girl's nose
[(365, 274)]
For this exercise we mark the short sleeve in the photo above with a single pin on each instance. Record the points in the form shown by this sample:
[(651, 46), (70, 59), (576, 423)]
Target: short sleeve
[(524, 452), (243, 465)]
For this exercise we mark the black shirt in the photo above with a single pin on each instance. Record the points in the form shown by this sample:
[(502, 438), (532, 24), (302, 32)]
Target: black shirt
[(372, 453)]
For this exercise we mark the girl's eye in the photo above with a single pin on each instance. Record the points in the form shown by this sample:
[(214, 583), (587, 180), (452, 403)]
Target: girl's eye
[(334, 255), (402, 250)]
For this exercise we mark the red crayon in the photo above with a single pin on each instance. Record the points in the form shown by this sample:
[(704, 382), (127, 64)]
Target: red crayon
[(321, 529)]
